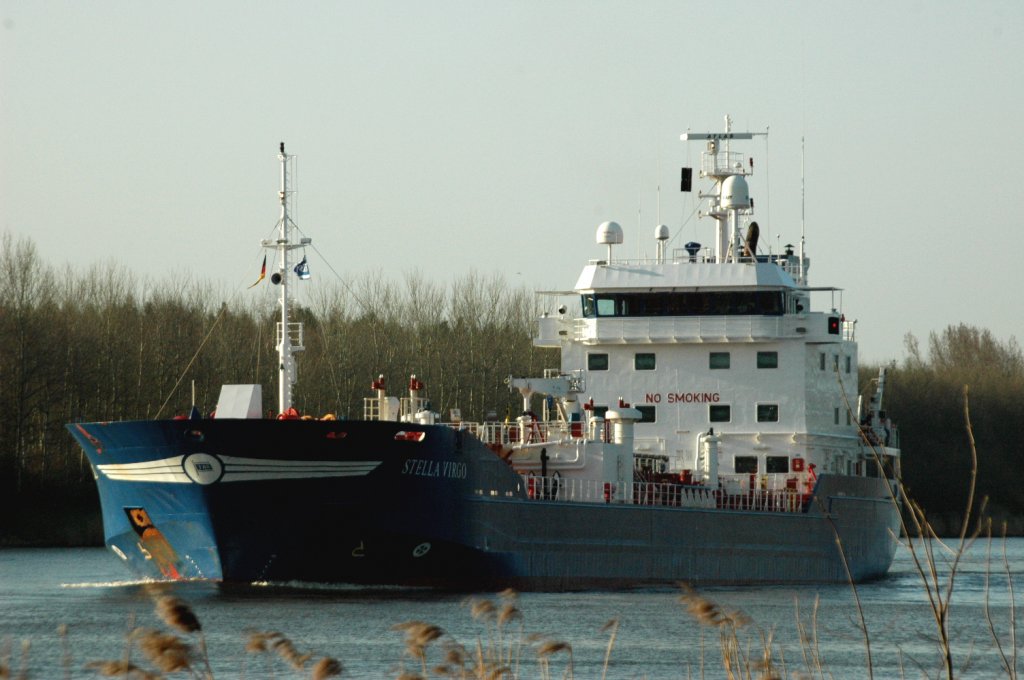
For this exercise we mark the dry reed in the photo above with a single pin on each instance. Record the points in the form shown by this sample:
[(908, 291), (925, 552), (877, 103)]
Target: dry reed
[(739, 660), (326, 667), (169, 653), (276, 644), (120, 668)]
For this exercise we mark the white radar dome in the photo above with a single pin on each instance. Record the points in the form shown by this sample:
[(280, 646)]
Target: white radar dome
[(609, 233), (735, 193), (661, 232)]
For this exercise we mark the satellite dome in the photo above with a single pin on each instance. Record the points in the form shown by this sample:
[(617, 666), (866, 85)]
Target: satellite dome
[(609, 233), (661, 232), (735, 193)]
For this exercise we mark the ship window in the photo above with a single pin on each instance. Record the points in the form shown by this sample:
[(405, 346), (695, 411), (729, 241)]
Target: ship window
[(599, 411), (719, 413), (776, 464), (648, 414), (849, 363), (643, 361), (767, 413), (597, 362), (669, 303), (718, 360), (589, 310), (767, 359), (837, 415), (745, 464), (821, 356)]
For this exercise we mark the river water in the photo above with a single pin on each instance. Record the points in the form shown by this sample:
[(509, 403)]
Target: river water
[(89, 592)]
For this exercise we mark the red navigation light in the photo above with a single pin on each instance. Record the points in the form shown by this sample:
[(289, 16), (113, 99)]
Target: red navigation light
[(403, 436)]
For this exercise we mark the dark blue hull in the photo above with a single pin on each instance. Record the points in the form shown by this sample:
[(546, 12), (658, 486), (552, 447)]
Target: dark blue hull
[(394, 503)]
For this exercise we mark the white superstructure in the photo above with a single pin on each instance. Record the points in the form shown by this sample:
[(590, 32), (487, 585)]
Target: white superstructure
[(737, 381)]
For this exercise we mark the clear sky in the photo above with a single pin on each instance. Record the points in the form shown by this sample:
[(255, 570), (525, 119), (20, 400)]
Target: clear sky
[(455, 136)]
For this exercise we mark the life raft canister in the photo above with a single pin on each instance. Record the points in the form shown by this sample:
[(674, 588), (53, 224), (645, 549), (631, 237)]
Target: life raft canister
[(798, 465)]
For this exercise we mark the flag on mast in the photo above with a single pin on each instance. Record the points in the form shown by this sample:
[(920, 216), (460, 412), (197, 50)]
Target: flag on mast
[(263, 272)]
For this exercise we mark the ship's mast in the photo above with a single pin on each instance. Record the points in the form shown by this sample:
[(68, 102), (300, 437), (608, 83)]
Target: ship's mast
[(730, 198), (289, 335)]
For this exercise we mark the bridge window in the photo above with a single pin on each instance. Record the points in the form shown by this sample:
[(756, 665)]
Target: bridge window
[(755, 303), (719, 413), (606, 307), (767, 413), (718, 360), (648, 414), (767, 359), (745, 464), (644, 361), (597, 362), (776, 464)]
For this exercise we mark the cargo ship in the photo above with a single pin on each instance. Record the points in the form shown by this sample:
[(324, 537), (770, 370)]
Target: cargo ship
[(704, 425)]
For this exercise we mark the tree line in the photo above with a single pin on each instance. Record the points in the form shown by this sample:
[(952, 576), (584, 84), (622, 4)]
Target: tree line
[(103, 344), (925, 395)]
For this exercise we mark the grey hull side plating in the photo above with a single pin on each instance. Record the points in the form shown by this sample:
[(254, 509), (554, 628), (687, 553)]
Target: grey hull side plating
[(559, 546)]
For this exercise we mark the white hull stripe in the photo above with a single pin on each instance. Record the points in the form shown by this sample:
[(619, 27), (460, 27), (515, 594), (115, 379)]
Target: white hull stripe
[(168, 470), (202, 468)]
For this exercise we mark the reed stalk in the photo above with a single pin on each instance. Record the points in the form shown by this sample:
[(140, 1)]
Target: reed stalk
[(613, 626), (1009, 663)]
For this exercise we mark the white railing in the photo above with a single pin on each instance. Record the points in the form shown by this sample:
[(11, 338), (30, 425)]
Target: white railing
[(723, 163), (535, 432), (637, 329), (784, 500), (662, 494), (673, 495), (568, 489)]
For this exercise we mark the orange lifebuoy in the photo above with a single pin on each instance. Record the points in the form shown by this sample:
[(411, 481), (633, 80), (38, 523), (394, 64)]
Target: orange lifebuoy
[(798, 465)]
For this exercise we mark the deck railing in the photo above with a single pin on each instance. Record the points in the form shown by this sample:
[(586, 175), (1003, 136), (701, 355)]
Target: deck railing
[(575, 490), (632, 329)]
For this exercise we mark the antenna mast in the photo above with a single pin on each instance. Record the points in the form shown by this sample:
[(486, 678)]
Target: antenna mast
[(289, 335), (802, 211)]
